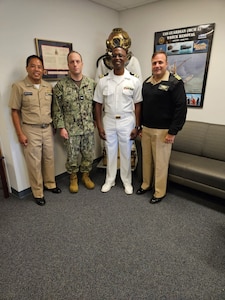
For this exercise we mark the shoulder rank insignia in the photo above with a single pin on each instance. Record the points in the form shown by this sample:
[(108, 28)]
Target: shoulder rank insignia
[(103, 75), (177, 76), (136, 75)]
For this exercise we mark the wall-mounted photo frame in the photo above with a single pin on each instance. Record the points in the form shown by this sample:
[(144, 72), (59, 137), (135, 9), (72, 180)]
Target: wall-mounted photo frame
[(54, 55), (188, 50)]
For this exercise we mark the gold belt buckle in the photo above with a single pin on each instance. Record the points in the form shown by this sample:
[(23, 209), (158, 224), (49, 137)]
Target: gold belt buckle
[(117, 117)]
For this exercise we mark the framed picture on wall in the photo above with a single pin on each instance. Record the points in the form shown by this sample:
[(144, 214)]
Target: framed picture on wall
[(54, 55), (188, 51)]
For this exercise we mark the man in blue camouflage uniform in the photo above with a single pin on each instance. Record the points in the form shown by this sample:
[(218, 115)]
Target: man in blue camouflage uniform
[(73, 115)]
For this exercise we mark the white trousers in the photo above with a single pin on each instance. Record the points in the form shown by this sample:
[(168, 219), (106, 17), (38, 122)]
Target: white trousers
[(118, 134)]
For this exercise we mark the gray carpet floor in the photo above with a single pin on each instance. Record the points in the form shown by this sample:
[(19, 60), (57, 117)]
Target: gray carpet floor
[(95, 246)]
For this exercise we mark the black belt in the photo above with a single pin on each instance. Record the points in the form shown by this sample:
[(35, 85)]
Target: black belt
[(44, 125), (118, 116)]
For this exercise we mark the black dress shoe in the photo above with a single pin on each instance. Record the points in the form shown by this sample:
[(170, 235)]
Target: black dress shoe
[(141, 191), (40, 201), (55, 190), (155, 199)]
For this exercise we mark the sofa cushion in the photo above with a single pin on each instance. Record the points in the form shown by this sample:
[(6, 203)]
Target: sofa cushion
[(214, 145), (196, 168), (191, 138)]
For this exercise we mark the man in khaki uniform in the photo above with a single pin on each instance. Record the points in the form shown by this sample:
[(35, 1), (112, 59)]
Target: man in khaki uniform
[(30, 102)]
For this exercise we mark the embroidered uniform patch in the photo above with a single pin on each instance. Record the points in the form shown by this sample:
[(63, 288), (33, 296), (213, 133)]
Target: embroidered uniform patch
[(128, 88), (163, 87)]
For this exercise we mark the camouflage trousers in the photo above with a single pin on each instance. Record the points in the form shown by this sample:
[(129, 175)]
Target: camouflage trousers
[(80, 153)]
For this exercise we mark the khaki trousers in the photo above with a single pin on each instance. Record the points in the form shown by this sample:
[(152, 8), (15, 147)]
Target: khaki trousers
[(156, 155), (39, 156)]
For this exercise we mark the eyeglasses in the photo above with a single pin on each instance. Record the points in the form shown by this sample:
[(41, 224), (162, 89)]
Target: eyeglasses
[(118, 55)]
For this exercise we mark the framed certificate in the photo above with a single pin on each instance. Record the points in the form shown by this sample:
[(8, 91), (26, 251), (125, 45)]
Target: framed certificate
[(54, 55)]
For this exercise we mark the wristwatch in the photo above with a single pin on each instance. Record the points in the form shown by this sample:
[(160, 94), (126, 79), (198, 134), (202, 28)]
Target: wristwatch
[(138, 128)]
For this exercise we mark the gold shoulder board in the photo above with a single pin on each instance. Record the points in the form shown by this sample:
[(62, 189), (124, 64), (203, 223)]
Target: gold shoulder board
[(177, 76), (103, 75), (135, 75)]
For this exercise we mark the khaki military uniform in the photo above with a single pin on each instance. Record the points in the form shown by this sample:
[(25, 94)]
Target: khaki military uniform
[(73, 110), (35, 107)]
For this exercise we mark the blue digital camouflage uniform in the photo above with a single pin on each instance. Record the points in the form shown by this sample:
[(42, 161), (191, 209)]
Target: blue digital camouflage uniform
[(73, 110)]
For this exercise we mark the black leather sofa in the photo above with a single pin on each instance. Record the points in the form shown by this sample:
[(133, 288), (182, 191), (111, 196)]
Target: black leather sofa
[(197, 159)]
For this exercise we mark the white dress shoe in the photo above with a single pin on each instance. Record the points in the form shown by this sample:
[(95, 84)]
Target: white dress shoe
[(107, 187), (128, 189)]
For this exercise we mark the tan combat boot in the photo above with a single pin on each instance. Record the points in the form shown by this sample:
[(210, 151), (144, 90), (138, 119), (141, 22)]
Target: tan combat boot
[(73, 183), (87, 181)]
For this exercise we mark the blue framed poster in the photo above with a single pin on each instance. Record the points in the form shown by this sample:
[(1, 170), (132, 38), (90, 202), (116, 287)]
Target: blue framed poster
[(188, 50)]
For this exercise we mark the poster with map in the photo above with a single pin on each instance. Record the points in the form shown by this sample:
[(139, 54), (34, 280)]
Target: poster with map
[(188, 50)]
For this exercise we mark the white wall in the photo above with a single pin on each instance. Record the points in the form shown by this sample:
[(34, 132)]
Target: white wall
[(142, 22), (78, 21), (87, 25)]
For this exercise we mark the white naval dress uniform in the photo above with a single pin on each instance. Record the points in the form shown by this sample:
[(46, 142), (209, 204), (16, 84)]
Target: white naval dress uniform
[(118, 94)]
